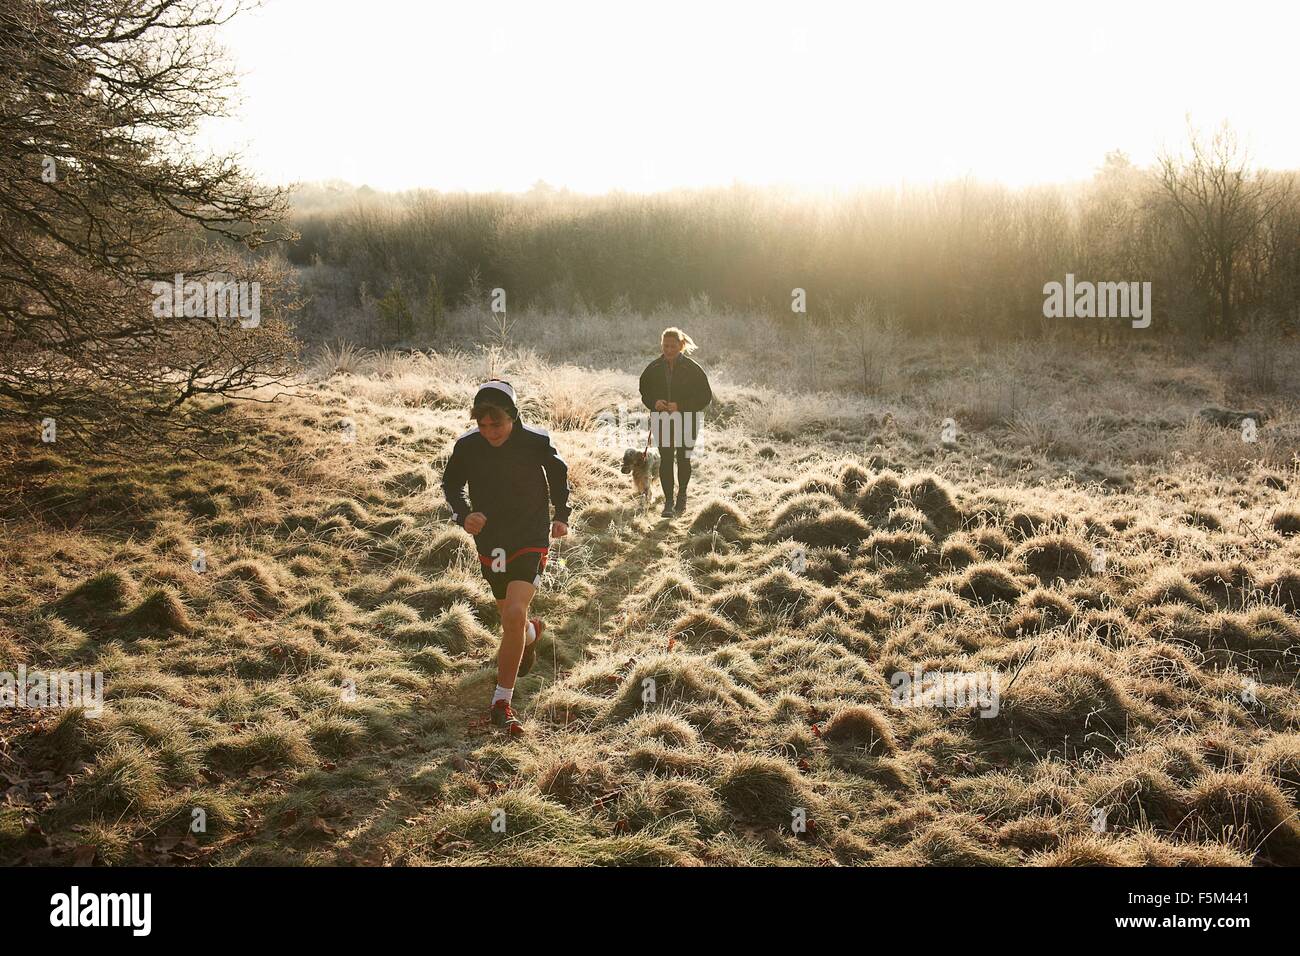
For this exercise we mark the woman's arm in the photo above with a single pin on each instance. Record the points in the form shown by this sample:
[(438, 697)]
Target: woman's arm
[(647, 385), (701, 395)]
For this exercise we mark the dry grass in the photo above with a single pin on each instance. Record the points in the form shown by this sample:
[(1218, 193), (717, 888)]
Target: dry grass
[(318, 691)]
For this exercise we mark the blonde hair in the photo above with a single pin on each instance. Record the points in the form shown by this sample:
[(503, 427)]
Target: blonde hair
[(688, 343)]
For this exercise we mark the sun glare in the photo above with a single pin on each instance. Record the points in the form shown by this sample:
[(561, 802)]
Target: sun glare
[(598, 96)]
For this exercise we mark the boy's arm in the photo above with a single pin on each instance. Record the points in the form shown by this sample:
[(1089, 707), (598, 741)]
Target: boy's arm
[(557, 478), (454, 477)]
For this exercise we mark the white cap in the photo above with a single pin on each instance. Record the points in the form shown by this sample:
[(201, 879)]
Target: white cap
[(503, 386)]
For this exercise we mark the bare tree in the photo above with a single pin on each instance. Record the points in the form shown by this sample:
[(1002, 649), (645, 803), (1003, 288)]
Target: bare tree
[(1220, 203), (869, 337), (104, 202)]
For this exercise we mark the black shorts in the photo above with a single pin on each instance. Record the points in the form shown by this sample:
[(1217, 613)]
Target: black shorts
[(521, 564)]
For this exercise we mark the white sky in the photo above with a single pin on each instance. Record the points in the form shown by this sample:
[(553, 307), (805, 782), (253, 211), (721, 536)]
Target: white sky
[(496, 94)]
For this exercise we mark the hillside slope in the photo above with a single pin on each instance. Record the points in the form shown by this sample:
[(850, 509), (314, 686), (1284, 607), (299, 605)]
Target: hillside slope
[(317, 691)]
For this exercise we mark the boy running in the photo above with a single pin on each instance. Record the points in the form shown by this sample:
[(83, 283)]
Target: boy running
[(510, 467)]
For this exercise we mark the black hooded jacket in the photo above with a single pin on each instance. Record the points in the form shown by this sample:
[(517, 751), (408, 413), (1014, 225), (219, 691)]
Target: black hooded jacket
[(510, 485), (689, 388)]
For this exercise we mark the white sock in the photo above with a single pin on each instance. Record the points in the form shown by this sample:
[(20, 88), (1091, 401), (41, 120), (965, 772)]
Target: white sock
[(502, 693), (530, 634)]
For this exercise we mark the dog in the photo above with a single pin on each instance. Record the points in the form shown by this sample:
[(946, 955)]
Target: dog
[(1226, 418), (642, 466)]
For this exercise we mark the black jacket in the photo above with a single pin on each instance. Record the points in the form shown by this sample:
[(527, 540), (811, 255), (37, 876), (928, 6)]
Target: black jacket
[(689, 389), (510, 485)]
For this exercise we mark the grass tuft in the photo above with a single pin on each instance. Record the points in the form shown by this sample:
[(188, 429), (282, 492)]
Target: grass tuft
[(159, 611), (861, 727), (988, 582), (1055, 557)]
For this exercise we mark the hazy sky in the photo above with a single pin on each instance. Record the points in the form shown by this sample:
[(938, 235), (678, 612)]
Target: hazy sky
[(489, 94)]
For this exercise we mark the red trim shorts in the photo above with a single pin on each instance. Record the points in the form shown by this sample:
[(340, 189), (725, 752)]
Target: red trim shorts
[(525, 564)]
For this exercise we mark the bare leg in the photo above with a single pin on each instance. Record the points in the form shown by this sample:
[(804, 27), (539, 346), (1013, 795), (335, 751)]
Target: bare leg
[(514, 619)]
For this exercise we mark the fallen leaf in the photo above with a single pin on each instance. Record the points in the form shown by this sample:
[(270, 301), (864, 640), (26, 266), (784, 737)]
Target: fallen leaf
[(319, 826)]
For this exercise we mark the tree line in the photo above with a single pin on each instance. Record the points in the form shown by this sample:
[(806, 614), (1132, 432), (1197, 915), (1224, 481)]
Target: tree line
[(1218, 240)]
